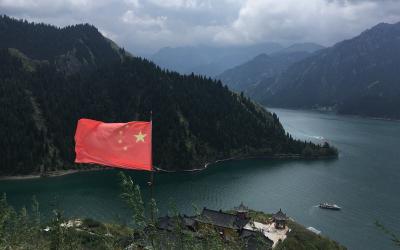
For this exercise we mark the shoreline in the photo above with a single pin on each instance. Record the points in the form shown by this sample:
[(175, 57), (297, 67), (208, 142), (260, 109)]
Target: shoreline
[(238, 158), (64, 172), (359, 116), (56, 173)]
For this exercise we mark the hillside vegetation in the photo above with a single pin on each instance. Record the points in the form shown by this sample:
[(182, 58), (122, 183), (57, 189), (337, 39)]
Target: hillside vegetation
[(196, 120)]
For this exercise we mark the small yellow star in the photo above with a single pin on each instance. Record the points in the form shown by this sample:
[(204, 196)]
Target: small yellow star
[(140, 137)]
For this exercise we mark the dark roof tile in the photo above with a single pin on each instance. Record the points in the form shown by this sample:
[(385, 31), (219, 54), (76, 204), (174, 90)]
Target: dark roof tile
[(222, 219)]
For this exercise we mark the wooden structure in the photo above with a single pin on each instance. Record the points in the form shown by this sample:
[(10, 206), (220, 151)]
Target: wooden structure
[(242, 211), (228, 225), (280, 219)]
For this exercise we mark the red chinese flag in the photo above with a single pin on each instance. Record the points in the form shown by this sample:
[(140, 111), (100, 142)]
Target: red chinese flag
[(124, 145)]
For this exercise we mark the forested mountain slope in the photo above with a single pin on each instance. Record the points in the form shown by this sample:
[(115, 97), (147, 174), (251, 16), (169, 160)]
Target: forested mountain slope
[(70, 49), (196, 120)]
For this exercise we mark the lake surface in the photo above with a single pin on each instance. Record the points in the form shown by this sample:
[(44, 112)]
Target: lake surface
[(364, 180)]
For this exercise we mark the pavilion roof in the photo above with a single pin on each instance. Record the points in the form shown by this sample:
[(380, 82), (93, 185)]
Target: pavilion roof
[(241, 208), (280, 215)]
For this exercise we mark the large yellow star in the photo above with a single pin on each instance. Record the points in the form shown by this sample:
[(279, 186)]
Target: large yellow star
[(140, 137)]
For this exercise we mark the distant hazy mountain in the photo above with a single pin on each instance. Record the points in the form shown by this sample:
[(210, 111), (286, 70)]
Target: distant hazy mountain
[(251, 73), (207, 60), (357, 76), (302, 47)]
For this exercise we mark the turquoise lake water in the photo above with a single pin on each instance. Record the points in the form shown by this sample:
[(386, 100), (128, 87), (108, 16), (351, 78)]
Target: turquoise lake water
[(364, 180)]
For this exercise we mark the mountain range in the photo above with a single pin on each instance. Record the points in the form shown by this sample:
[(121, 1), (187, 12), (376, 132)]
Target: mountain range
[(50, 77), (358, 76), (249, 74), (207, 60)]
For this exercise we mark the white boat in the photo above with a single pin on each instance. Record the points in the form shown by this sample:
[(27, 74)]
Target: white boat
[(327, 205)]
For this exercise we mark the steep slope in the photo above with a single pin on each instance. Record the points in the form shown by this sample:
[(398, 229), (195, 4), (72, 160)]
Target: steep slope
[(71, 48), (207, 60), (22, 143), (196, 120), (357, 76), (249, 74)]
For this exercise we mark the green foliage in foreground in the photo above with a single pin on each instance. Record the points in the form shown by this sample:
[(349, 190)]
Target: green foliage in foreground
[(302, 239), (25, 230)]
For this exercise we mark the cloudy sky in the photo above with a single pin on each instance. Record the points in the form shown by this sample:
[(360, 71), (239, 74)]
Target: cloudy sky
[(144, 26)]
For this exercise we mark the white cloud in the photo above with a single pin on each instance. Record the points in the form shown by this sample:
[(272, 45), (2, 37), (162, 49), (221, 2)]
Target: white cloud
[(52, 7), (147, 25), (133, 3), (143, 21), (185, 4), (305, 20)]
